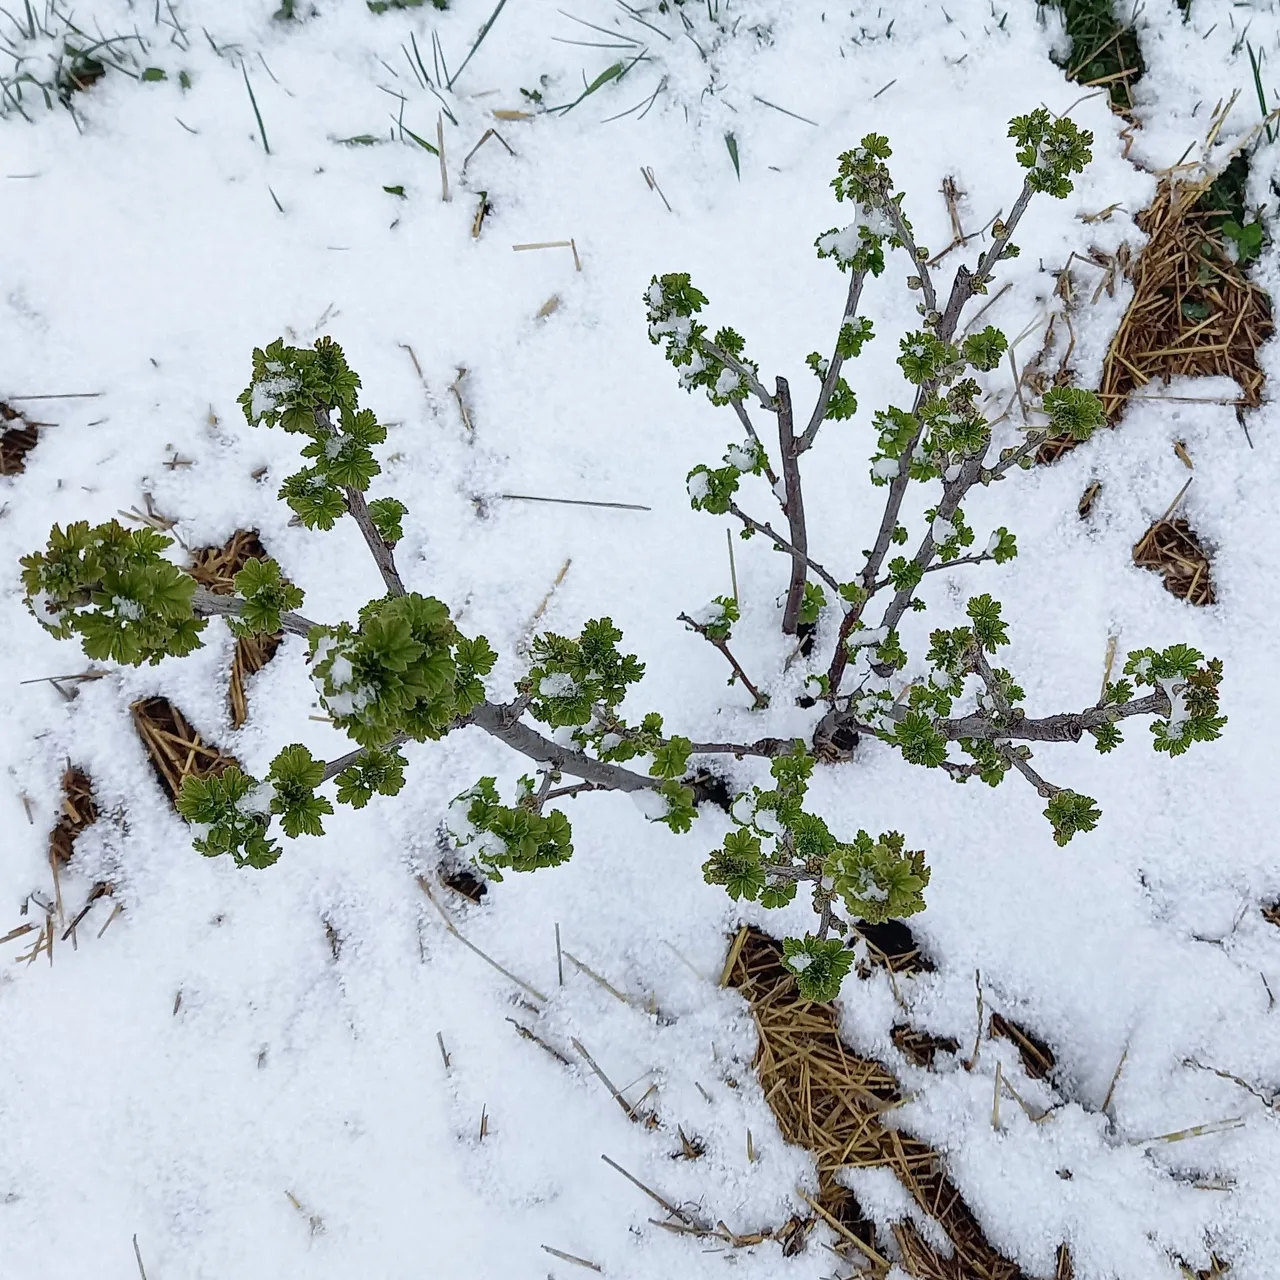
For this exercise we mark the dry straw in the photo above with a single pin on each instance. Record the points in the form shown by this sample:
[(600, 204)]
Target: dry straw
[(1194, 312), (833, 1102), (175, 749), (215, 568)]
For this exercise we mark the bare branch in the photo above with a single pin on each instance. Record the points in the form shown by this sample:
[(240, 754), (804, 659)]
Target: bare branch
[(761, 701), (382, 554), (792, 508), (206, 604), (359, 510), (856, 279), (779, 541), (901, 230), (745, 372), (741, 411)]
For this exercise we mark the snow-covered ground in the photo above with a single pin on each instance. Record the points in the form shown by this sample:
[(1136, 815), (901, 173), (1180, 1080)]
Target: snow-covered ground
[(292, 1114)]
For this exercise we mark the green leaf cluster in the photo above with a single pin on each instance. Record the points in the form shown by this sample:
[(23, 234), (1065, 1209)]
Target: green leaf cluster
[(386, 514), (404, 669), (876, 879), (302, 389), (112, 587), (985, 350), (1051, 149), (293, 778), (509, 837), (230, 814), (1191, 685), (1074, 411), (376, 771), (1069, 812), (571, 678), (820, 965), (266, 595), (926, 358), (718, 618), (862, 174), (673, 304)]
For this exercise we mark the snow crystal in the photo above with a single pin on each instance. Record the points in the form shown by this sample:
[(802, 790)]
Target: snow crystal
[(127, 608), (557, 685), (650, 803), (768, 822), (1177, 701), (868, 636), (727, 382), (341, 673), (268, 394), (741, 456), (698, 486), (992, 543), (943, 530), (610, 740), (884, 468), (780, 490), (800, 962), (259, 799), (42, 604)]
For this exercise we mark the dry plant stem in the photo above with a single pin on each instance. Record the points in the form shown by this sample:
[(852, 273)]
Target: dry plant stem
[(856, 279), (760, 700), (792, 508), (963, 288)]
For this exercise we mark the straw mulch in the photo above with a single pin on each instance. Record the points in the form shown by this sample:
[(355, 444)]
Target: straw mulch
[(215, 569), (1038, 1059), (1194, 312), (175, 749), (832, 1102), (1170, 547), (17, 440), (78, 812)]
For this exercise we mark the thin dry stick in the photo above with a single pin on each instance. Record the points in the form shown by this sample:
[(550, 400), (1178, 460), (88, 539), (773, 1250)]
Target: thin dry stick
[(489, 960), (559, 958), (977, 1039), (569, 1257), (732, 958), (1115, 1080), (444, 1053), (575, 502), (115, 911), (591, 973), (1112, 641), (604, 1079), (444, 172), (137, 1253), (672, 1209), (995, 1101), (733, 568), (879, 1259), (1196, 1131), (647, 172)]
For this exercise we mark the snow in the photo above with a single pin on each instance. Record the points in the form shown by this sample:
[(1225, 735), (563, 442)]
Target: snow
[(558, 685), (284, 1071), (268, 394)]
